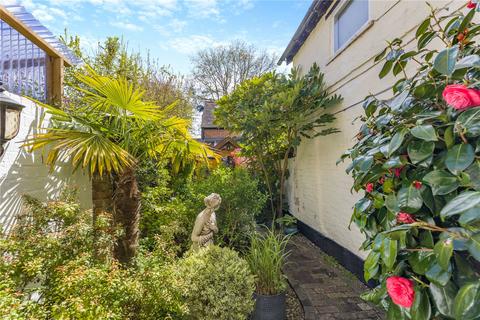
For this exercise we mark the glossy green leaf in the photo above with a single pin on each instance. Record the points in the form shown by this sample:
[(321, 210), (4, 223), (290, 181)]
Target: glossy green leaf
[(363, 163), (465, 272), (380, 56), (399, 103), (395, 312), (459, 158), (445, 60), (470, 216), (425, 39), (443, 250), (420, 150), (473, 245), (466, 20), (424, 90), (474, 173), (421, 309), (449, 137), (363, 204), (394, 162), (426, 239), (466, 303), (389, 252), (461, 203), (409, 199), (396, 141), (375, 295), (422, 28), (469, 120), (371, 266), (468, 62), (421, 261), (443, 297), (391, 203), (441, 182), (424, 132), (439, 276), (385, 69)]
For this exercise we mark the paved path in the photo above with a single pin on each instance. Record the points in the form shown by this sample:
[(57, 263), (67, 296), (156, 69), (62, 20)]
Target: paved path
[(325, 289)]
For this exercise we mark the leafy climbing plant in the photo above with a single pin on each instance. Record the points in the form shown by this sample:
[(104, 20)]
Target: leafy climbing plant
[(417, 159)]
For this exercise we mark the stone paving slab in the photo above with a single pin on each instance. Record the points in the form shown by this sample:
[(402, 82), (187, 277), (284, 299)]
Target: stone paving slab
[(326, 290)]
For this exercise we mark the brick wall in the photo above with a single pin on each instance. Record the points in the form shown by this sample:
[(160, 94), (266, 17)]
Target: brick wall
[(215, 133)]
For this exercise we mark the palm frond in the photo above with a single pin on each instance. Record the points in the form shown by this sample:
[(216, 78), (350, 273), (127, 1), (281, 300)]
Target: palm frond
[(88, 150), (115, 96)]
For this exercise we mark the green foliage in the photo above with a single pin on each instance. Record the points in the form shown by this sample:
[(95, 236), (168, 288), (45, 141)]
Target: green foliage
[(421, 157), (287, 221), (47, 235), (273, 113), (216, 284), (82, 291), (242, 202), (113, 58), (166, 221), (51, 255), (266, 258)]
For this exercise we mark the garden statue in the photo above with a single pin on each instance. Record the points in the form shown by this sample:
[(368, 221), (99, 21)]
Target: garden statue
[(206, 223)]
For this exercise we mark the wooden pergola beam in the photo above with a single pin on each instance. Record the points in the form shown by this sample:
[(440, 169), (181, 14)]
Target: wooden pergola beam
[(23, 29)]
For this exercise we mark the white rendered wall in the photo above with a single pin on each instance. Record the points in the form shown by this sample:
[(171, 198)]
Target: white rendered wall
[(319, 190), (22, 172)]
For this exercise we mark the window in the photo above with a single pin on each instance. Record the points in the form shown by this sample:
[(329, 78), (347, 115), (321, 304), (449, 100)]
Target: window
[(350, 19)]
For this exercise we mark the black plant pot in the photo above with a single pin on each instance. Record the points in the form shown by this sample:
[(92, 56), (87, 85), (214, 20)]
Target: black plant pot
[(269, 307)]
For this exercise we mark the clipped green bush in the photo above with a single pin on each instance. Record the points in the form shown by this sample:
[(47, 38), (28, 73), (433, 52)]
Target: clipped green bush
[(417, 160), (82, 291), (216, 284)]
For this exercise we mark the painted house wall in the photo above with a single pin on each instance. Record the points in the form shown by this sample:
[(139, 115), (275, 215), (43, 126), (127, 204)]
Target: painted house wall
[(319, 190), (25, 173)]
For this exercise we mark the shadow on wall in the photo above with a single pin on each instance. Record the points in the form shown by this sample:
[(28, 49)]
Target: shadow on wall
[(22, 172)]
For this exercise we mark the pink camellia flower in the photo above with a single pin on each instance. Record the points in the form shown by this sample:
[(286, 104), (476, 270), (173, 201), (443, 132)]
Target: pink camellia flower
[(406, 218), (471, 4), (460, 97), (401, 291), (417, 184), (398, 172), (381, 180), (369, 187)]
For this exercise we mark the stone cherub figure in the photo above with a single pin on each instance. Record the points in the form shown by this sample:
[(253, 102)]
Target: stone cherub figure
[(206, 223)]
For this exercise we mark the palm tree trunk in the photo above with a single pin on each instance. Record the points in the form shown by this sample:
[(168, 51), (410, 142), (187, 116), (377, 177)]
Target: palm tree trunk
[(126, 216), (102, 199)]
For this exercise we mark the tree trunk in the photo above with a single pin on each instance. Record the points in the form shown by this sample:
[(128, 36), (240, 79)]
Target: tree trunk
[(102, 199), (283, 172), (126, 216)]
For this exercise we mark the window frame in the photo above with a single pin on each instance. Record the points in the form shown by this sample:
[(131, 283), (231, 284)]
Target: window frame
[(340, 10)]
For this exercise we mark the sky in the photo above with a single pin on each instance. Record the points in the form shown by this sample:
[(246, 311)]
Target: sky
[(173, 30)]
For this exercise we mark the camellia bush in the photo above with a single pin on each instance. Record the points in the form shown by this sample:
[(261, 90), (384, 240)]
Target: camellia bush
[(417, 160)]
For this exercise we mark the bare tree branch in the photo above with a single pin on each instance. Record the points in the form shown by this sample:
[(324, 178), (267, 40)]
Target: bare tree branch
[(218, 71)]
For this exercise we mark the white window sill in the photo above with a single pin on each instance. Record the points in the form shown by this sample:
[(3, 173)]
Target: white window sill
[(347, 44)]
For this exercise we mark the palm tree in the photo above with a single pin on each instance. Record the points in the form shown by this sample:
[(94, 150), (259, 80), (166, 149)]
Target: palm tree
[(108, 129)]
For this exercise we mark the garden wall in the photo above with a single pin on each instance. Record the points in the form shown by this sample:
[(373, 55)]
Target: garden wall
[(25, 173), (319, 190)]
